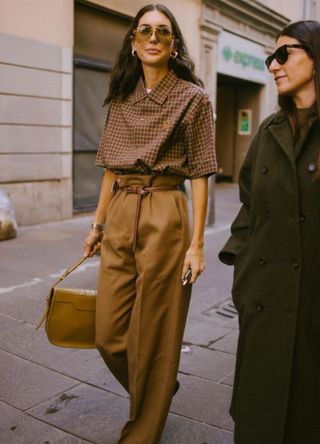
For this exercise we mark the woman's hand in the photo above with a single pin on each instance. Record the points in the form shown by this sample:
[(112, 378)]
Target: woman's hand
[(195, 261), (92, 244)]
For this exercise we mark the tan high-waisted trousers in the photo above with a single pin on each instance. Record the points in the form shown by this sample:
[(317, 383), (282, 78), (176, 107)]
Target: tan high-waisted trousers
[(141, 303)]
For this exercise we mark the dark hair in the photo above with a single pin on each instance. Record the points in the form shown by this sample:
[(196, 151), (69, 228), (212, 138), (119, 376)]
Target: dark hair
[(128, 69), (308, 33)]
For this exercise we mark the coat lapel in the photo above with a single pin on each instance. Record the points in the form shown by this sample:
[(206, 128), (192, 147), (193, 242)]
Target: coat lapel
[(300, 143), (281, 131)]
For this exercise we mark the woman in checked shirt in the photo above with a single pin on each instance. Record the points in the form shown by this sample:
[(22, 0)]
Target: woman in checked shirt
[(158, 132)]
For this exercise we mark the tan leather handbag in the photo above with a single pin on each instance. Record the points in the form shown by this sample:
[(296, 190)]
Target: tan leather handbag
[(70, 315)]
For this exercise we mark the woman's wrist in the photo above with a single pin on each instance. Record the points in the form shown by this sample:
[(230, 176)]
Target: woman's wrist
[(198, 244), (97, 227)]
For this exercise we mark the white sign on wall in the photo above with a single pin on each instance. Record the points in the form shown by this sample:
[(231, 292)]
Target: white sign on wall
[(241, 58)]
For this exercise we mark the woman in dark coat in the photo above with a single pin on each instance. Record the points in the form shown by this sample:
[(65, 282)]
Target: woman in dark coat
[(275, 250)]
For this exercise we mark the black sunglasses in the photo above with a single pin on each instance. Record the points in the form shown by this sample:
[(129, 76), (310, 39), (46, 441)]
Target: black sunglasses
[(281, 54)]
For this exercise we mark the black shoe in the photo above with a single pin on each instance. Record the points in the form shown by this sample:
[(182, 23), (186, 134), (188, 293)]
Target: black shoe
[(176, 388)]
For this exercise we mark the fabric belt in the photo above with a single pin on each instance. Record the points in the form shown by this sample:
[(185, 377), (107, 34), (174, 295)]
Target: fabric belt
[(140, 191)]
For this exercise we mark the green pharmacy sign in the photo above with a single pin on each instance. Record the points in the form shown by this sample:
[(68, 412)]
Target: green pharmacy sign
[(243, 59)]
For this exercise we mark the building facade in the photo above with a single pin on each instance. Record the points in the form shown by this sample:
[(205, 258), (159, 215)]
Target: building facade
[(56, 57)]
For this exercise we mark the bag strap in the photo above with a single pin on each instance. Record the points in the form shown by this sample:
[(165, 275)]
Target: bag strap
[(49, 296)]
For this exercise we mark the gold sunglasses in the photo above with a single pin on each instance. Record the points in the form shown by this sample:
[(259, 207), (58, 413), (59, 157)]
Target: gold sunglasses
[(162, 33)]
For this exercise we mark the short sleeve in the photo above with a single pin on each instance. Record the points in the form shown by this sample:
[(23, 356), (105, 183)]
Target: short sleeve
[(200, 140)]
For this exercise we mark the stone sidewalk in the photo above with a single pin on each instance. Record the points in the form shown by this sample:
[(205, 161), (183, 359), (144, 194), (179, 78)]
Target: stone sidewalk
[(50, 395)]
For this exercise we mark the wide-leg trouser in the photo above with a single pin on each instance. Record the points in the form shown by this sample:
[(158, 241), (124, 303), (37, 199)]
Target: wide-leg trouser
[(141, 304)]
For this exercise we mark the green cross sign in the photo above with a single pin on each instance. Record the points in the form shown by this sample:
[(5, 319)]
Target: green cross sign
[(243, 59)]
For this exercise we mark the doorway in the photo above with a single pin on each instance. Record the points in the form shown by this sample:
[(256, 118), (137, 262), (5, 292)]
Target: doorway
[(98, 38), (238, 103)]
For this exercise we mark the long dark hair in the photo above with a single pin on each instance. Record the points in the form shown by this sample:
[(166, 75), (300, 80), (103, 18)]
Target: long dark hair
[(128, 69), (308, 33)]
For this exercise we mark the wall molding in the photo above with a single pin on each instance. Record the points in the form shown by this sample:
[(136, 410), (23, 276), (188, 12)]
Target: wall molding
[(245, 18)]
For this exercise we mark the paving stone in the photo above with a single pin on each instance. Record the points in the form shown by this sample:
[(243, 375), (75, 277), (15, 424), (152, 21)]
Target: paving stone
[(218, 319), (204, 401), (228, 343), (28, 343), (232, 323), (24, 304), (205, 363), (98, 416), (203, 311), (87, 412), (207, 295), (28, 252), (17, 427), (203, 333), (199, 308), (24, 384), (88, 366), (10, 276), (228, 380), (180, 430), (216, 275)]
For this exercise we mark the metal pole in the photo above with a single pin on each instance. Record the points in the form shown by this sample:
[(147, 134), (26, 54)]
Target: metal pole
[(211, 208)]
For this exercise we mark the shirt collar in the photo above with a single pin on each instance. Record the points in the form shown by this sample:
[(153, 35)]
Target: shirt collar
[(159, 94)]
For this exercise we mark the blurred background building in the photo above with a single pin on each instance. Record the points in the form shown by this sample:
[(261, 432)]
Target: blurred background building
[(55, 60)]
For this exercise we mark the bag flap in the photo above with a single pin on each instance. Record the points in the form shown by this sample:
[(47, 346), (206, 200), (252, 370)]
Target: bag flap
[(81, 299)]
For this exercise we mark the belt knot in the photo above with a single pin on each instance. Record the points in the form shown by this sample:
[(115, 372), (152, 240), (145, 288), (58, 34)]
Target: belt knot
[(136, 190)]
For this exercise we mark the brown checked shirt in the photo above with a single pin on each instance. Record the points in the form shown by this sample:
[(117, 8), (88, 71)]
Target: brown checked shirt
[(167, 131)]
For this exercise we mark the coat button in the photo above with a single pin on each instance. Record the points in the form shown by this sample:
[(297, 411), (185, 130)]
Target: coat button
[(302, 217), (267, 213), (311, 167), (259, 307), (262, 261), (265, 169), (295, 265)]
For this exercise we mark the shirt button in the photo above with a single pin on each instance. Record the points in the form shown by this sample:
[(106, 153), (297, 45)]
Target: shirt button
[(311, 167), (267, 213), (295, 265), (259, 307), (265, 169), (262, 261)]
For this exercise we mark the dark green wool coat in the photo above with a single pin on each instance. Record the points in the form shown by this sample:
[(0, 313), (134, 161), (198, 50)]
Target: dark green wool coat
[(275, 250)]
